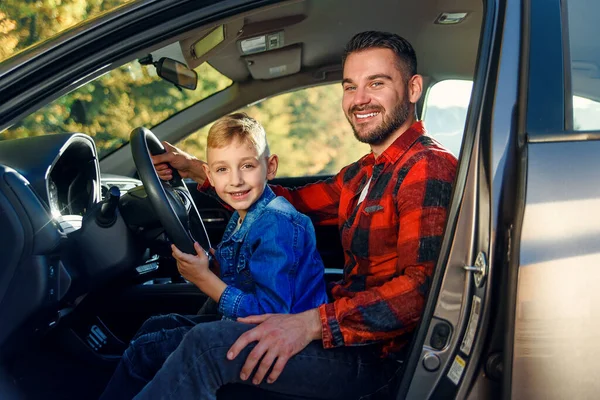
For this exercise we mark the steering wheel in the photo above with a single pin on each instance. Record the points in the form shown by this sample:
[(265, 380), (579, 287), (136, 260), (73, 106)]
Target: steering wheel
[(172, 201)]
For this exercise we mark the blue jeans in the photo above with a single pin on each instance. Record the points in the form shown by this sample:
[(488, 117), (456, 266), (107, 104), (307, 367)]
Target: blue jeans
[(197, 367), (157, 338)]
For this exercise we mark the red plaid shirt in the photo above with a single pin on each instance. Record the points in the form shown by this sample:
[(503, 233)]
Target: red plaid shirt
[(391, 240)]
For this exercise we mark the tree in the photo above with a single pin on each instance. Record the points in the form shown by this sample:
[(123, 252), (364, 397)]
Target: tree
[(26, 22)]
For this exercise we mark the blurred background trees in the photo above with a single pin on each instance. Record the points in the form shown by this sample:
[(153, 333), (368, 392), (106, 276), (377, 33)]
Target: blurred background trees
[(110, 107), (26, 22)]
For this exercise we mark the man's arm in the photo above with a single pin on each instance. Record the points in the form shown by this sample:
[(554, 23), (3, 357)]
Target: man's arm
[(395, 307), (319, 200)]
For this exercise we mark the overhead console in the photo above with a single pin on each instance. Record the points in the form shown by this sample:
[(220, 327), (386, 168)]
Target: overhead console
[(257, 43)]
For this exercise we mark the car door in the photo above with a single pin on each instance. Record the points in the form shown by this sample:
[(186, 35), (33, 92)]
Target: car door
[(515, 311), (554, 322)]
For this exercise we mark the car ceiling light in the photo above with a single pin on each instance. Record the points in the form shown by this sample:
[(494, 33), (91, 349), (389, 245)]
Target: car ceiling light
[(262, 43), (451, 18)]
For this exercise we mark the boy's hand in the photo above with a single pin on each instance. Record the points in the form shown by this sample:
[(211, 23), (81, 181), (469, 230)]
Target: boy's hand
[(187, 165), (194, 268)]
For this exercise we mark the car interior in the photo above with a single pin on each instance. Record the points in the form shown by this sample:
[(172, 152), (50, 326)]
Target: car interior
[(86, 255)]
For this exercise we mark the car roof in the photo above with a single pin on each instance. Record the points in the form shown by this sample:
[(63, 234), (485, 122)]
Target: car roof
[(314, 32), (318, 31)]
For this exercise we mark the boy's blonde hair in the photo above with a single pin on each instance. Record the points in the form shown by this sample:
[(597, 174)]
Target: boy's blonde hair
[(241, 126)]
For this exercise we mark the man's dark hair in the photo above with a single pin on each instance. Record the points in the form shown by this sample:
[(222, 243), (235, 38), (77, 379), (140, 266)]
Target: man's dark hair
[(384, 40)]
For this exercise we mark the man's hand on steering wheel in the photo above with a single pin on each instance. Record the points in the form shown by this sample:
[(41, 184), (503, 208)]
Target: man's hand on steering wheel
[(187, 165), (280, 337)]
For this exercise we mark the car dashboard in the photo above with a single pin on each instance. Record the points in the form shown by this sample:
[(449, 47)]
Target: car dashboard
[(53, 250)]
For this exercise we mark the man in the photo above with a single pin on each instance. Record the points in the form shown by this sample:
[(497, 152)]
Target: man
[(391, 208)]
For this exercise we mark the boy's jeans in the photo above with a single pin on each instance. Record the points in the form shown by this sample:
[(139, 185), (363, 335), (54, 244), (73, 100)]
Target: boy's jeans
[(198, 367), (157, 338)]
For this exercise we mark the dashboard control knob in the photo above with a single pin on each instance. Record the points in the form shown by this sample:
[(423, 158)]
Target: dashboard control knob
[(107, 214)]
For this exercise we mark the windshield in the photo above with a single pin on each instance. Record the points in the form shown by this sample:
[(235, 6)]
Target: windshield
[(27, 23), (110, 107)]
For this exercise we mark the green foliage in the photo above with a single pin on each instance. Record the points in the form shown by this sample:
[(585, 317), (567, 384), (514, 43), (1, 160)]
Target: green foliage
[(27, 22)]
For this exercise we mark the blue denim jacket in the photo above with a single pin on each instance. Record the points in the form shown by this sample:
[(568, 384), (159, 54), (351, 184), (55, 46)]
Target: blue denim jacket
[(271, 263)]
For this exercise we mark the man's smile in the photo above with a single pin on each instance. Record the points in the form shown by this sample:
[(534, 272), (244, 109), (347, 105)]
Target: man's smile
[(363, 117)]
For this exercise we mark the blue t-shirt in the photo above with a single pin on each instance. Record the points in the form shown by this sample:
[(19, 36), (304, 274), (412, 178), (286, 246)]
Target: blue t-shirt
[(271, 263)]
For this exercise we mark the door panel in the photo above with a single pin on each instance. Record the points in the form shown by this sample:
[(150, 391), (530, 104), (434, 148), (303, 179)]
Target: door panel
[(557, 324)]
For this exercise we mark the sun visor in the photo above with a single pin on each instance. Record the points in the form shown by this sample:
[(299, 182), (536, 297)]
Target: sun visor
[(275, 63), (212, 40)]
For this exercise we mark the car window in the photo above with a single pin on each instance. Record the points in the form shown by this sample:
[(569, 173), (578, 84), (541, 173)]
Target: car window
[(306, 128), (445, 112), (586, 114), (584, 50), (110, 107), (26, 23)]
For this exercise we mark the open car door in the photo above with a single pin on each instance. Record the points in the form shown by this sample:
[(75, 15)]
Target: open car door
[(458, 340)]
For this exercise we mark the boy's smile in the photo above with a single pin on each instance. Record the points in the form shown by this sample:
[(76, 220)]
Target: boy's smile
[(239, 174), (239, 195)]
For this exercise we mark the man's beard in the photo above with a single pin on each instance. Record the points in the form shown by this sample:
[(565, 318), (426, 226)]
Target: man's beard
[(379, 134)]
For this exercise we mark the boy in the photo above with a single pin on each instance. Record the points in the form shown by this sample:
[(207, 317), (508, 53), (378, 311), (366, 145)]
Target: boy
[(268, 257)]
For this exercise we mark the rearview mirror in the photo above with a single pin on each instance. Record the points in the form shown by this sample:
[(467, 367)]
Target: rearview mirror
[(177, 73)]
